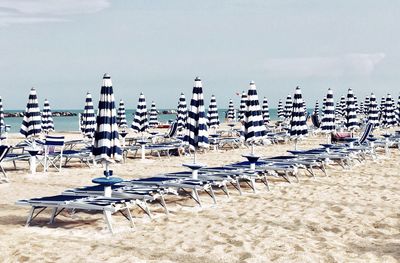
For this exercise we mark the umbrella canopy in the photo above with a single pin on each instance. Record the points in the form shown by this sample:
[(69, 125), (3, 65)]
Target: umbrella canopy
[(182, 113), (366, 105), (121, 115), (253, 124), (298, 125), (288, 106), (280, 110), (357, 107), (265, 111), (106, 145), (373, 111), (231, 111), (382, 105), (2, 123), (328, 115), (197, 134), (316, 108), (340, 108), (389, 117), (47, 118), (398, 111), (153, 118), (212, 113), (140, 122), (351, 121), (88, 122), (31, 124), (242, 109)]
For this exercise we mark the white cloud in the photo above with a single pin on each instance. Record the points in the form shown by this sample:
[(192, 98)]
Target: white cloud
[(37, 11), (346, 65)]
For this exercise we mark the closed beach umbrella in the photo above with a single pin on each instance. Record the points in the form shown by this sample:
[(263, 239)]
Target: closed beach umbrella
[(231, 111), (265, 111), (288, 107), (373, 111), (341, 106), (366, 105), (31, 124), (242, 108), (106, 145), (153, 118), (280, 110), (212, 113), (316, 108), (253, 124), (121, 115), (398, 111), (196, 135), (328, 115), (140, 122), (47, 118), (88, 122), (351, 121), (298, 124), (389, 117), (323, 104), (2, 123), (182, 113), (357, 107), (382, 105)]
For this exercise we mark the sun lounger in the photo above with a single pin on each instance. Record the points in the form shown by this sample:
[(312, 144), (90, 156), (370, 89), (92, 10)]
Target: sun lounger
[(106, 205)]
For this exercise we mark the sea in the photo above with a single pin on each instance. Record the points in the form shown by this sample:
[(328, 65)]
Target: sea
[(70, 123)]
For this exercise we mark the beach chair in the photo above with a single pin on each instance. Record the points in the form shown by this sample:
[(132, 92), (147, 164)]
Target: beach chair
[(58, 203), (3, 153), (52, 157)]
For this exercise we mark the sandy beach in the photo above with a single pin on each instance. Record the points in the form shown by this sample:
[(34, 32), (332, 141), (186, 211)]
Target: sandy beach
[(349, 216)]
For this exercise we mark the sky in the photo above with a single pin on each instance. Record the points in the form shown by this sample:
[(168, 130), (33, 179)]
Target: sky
[(63, 48)]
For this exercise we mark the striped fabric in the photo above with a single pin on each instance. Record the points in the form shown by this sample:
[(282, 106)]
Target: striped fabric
[(2, 123), (242, 108), (323, 104), (265, 111), (140, 122), (366, 105), (182, 113), (212, 113), (382, 105), (153, 116), (373, 111), (341, 107), (357, 106), (31, 124), (47, 118), (328, 115), (288, 107), (88, 122), (231, 111), (389, 117), (253, 124), (351, 121), (281, 111), (397, 111), (361, 108), (316, 108), (196, 127), (298, 125), (106, 143), (54, 140), (121, 115)]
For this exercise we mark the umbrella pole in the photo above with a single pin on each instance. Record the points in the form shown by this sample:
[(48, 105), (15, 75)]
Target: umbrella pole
[(107, 188), (252, 148), (295, 144), (194, 156)]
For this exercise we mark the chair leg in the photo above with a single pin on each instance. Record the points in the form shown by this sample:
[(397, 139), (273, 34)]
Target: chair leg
[(107, 218)]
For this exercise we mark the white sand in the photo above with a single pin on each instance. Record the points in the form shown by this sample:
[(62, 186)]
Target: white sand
[(350, 216)]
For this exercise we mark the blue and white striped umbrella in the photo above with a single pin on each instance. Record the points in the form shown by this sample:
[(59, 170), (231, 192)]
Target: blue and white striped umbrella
[(242, 108), (280, 110), (358, 111), (298, 122), (231, 111), (340, 108), (351, 121), (323, 104), (253, 124), (389, 117), (140, 122), (106, 145), (2, 123), (88, 118), (316, 108), (373, 111), (366, 105), (182, 113), (328, 114), (153, 116), (121, 115), (288, 107), (382, 105), (196, 135), (31, 124), (398, 111), (265, 111), (47, 118), (212, 113)]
